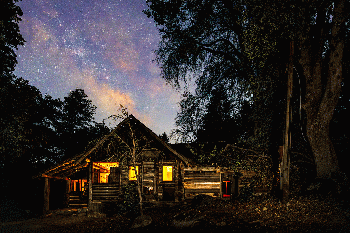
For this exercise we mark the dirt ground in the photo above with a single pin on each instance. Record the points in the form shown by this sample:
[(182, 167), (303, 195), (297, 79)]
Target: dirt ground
[(260, 214)]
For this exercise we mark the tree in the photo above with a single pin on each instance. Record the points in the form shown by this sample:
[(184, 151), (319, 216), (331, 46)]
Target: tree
[(76, 119), (10, 39), (164, 137), (19, 104), (323, 77), (189, 119), (134, 147), (234, 40), (218, 122)]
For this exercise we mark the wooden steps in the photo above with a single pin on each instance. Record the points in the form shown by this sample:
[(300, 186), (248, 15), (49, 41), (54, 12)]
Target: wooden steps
[(75, 201)]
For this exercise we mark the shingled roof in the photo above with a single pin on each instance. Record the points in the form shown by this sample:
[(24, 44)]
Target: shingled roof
[(122, 132)]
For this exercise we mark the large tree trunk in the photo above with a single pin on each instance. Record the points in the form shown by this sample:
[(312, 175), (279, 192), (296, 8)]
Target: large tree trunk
[(322, 96), (325, 158)]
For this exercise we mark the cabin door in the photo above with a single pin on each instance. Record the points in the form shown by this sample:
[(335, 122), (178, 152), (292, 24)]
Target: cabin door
[(168, 192), (168, 183)]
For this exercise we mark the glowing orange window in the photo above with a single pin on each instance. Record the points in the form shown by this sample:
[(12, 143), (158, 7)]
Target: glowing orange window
[(132, 173), (167, 173)]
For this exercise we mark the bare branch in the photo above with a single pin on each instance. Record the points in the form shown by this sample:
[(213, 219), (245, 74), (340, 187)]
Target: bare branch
[(227, 42)]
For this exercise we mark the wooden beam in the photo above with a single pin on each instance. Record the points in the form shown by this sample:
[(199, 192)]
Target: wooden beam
[(68, 182), (90, 186), (285, 166), (46, 206)]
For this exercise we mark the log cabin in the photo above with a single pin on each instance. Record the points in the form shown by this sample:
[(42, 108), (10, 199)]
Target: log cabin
[(97, 175)]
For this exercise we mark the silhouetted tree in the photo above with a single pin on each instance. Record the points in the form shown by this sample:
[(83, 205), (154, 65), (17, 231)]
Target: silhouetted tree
[(12, 117), (218, 122), (164, 137), (219, 41), (77, 116)]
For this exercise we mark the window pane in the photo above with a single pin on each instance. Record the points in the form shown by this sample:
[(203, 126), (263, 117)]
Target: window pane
[(167, 173), (132, 174), (101, 171)]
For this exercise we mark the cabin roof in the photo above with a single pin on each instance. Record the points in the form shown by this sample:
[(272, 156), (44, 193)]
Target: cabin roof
[(123, 132)]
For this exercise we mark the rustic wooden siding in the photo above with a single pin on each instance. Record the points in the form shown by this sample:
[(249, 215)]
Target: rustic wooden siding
[(124, 174), (148, 180), (201, 180), (105, 192), (148, 174)]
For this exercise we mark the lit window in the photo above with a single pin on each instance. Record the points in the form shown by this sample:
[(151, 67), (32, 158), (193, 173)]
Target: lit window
[(101, 171), (132, 174), (167, 173)]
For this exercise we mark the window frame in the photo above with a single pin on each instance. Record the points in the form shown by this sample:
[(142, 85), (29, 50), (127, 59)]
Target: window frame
[(166, 167)]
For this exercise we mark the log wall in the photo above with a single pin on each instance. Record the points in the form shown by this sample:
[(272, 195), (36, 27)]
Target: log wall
[(201, 180), (148, 176)]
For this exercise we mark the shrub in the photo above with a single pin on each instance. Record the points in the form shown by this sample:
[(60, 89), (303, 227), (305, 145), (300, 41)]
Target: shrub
[(130, 199)]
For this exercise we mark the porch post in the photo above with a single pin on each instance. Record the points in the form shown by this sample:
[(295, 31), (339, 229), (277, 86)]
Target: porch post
[(46, 195), (67, 192), (176, 179), (90, 187)]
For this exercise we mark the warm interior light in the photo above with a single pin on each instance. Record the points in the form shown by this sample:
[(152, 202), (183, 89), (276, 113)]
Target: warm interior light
[(227, 187), (132, 174), (102, 170), (167, 173), (78, 185)]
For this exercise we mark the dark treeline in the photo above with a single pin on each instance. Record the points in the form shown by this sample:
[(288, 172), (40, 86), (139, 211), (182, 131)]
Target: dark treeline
[(36, 131)]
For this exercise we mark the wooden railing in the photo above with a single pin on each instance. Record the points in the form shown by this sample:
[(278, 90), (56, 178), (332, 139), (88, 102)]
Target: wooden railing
[(105, 192)]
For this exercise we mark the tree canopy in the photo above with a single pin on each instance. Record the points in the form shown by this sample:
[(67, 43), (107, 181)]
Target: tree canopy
[(244, 46), (11, 38)]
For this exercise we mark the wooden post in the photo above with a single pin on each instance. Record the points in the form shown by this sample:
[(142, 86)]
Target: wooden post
[(285, 167), (90, 186), (67, 192), (176, 179), (46, 195)]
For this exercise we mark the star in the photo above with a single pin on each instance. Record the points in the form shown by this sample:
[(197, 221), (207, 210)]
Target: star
[(104, 47)]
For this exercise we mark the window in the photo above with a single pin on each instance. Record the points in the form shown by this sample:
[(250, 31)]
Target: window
[(167, 173), (132, 174), (102, 170), (78, 185)]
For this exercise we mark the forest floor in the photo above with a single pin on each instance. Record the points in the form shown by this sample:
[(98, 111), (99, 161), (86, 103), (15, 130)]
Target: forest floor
[(259, 214)]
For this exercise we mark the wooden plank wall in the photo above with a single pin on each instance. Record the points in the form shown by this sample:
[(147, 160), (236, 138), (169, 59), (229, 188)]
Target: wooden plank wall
[(124, 177), (201, 180), (148, 178)]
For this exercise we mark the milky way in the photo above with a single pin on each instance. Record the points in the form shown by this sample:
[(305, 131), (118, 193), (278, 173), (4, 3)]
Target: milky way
[(103, 47)]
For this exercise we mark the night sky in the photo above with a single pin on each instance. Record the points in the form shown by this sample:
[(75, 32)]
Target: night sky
[(105, 47)]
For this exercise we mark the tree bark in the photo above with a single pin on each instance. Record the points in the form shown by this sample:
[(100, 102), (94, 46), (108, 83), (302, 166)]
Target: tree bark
[(285, 165), (134, 164), (321, 97)]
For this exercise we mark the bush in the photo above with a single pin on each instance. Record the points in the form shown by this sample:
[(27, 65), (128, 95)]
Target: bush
[(246, 192), (130, 199)]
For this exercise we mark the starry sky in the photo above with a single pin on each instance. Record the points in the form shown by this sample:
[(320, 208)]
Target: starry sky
[(105, 47)]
